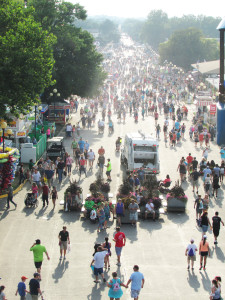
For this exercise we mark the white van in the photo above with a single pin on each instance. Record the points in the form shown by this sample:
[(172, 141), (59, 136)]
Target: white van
[(140, 151)]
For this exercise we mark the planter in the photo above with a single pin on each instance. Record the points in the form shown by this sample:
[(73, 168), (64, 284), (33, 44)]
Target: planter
[(126, 218), (176, 204)]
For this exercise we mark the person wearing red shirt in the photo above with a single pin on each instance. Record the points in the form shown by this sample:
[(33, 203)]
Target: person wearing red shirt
[(101, 151), (82, 164), (189, 160), (201, 138), (45, 192), (120, 240)]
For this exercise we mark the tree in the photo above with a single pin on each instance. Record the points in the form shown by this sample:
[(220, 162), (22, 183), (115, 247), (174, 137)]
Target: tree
[(26, 58), (133, 28), (155, 28), (77, 68), (108, 32), (186, 47)]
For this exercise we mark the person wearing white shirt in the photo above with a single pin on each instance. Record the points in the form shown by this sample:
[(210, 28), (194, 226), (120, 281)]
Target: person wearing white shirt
[(36, 176), (98, 261), (190, 252), (91, 158), (149, 209)]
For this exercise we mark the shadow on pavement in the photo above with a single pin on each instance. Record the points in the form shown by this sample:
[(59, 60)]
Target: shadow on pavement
[(192, 279), (70, 216), (206, 283), (178, 218), (60, 270)]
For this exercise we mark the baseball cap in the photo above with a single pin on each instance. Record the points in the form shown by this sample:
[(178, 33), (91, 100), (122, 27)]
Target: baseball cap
[(24, 277), (205, 236), (36, 274), (37, 241), (192, 240)]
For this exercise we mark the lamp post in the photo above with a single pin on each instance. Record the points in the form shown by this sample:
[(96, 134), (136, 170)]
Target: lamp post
[(3, 125), (54, 95), (35, 119)]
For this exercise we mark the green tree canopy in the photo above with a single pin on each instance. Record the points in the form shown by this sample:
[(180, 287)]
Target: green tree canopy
[(133, 28), (26, 58), (186, 47), (77, 68), (108, 32), (155, 28)]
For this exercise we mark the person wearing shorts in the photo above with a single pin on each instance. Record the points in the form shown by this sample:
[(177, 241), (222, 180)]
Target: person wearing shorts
[(119, 211), (137, 282), (98, 261), (133, 207), (38, 251), (120, 240), (204, 251), (63, 240), (190, 252)]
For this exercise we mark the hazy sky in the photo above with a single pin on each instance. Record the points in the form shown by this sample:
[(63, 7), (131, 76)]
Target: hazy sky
[(141, 8)]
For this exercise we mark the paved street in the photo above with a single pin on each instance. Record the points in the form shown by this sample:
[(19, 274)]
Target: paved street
[(158, 248)]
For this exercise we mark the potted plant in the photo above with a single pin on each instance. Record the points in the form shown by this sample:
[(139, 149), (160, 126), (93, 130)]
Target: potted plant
[(105, 189), (75, 196), (126, 202), (176, 199)]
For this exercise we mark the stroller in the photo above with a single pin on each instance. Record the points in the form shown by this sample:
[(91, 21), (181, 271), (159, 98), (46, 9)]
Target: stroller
[(30, 200)]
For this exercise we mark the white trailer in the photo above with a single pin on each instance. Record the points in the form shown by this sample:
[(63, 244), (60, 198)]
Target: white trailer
[(140, 151)]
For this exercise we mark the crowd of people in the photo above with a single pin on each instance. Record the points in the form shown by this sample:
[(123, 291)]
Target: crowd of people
[(137, 87)]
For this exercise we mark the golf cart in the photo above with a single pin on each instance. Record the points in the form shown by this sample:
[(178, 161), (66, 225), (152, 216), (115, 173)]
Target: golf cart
[(55, 148)]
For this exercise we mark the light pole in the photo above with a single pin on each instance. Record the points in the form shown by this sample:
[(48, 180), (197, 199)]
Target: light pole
[(54, 95), (35, 119), (3, 126)]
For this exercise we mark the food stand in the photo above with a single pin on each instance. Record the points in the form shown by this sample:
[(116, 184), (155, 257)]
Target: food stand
[(59, 113)]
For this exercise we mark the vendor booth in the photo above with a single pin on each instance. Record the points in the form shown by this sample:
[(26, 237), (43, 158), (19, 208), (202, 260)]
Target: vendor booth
[(59, 113), (202, 101)]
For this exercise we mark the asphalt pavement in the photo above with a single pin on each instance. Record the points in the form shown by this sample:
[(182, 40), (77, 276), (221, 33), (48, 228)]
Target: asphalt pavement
[(157, 247)]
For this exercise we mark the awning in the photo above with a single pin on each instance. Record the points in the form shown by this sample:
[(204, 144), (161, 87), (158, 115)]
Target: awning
[(44, 108)]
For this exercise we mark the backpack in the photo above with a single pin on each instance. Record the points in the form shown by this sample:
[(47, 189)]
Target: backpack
[(191, 252), (116, 286)]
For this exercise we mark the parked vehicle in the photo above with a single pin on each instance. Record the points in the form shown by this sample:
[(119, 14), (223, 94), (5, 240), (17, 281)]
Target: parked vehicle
[(140, 151), (55, 148)]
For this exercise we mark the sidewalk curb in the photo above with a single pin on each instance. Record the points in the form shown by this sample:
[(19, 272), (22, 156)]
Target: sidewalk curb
[(16, 190)]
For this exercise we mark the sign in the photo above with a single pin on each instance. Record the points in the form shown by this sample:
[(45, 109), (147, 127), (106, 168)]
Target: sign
[(212, 108)]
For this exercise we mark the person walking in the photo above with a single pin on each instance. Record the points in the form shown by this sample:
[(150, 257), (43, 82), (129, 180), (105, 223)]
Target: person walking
[(205, 223), (82, 168), (45, 193), (120, 242), (60, 167), (204, 251), (21, 288), (115, 291), (198, 205), (190, 252), (108, 170), (101, 217), (54, 195), (216, 220), (107, 245), (64, 240), (34, 285), (10, 196), (91, 158), (137, 282), (38, 251), (98, 261), (69, 162), (195, 175)]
